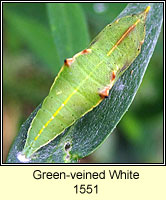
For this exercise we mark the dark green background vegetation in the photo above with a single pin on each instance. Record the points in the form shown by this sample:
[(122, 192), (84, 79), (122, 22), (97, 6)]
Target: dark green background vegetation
[(32, 58)]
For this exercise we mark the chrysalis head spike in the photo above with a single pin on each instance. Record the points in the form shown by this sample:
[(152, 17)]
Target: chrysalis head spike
[(144, 14), (147, 10)]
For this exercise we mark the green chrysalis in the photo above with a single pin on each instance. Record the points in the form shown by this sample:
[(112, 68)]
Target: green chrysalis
[(85, 80)]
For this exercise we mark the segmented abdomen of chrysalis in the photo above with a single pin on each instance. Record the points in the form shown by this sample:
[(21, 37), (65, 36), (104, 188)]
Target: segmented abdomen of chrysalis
[(85, 80)]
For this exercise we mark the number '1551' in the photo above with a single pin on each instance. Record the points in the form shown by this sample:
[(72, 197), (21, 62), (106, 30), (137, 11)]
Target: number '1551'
[(82, 189)]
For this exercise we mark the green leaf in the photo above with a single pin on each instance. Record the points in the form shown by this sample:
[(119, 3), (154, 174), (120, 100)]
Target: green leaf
[(36, 36), (69, 28), (91, 130)]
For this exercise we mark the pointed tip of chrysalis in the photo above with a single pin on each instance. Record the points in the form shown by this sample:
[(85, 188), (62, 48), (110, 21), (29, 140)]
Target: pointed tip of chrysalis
[(147, 10), (144, 14)]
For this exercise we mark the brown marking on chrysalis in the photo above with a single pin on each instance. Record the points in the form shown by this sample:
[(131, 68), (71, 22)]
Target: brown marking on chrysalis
[(104, 93), (113, 76), (141, 42), (68, 61), (85, 51)]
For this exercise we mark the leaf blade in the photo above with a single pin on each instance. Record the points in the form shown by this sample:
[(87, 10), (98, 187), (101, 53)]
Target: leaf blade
[(36, 36)]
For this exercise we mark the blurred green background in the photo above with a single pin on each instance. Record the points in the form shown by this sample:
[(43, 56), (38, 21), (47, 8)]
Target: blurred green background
[(33, 52)]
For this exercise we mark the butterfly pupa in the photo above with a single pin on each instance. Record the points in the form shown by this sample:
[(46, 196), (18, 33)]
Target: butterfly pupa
[(86, 79)]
